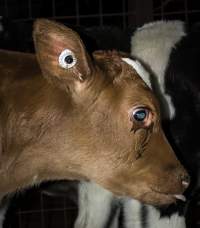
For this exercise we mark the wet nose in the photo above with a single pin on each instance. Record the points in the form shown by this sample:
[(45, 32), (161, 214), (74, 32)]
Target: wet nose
[(185, 180)]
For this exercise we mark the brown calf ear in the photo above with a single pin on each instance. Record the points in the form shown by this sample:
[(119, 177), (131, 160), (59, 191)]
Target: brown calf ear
[(61, 53)]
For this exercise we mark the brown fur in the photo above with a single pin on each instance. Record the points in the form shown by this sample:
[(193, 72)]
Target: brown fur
[(55, 126)]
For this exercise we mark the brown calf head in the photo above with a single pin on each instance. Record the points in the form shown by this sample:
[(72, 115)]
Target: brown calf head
[(112, 132)]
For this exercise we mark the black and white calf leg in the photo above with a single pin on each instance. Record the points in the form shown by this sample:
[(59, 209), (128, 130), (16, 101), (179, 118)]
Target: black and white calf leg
[(98, 208)]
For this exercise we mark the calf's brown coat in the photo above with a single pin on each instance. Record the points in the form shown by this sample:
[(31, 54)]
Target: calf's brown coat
[(76, 123)]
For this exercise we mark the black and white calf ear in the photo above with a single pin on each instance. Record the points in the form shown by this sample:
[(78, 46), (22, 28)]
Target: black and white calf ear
[(142, 72), (61, 53)]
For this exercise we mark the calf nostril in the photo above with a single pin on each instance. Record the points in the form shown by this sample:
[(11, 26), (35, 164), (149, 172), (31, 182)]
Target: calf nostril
[(185, 180)]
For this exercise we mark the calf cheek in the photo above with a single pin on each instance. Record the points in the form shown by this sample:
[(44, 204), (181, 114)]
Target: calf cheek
[(164, 170)]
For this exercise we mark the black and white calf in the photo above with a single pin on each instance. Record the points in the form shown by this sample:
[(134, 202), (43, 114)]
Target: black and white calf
[(171, 53)]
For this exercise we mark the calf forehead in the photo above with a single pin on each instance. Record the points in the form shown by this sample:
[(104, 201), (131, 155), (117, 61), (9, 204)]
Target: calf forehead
[(127, 83), (113, 61), (128, 87)]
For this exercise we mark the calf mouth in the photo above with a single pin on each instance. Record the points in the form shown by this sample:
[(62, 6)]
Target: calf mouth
[(163, 198), (156, 198)]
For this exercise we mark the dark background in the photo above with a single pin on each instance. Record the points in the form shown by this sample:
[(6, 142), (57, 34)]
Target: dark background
[(109, 22)]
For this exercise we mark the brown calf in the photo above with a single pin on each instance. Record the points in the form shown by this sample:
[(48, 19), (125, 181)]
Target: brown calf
[(82, 117)]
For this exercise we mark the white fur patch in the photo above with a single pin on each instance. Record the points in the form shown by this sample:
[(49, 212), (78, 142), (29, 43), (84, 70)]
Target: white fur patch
[(152, 43), (171, 107), (95, 205), (139, 69), (133, 217)]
